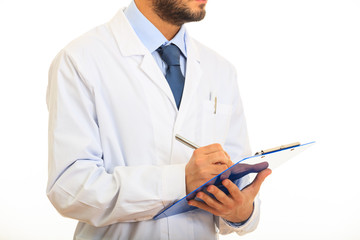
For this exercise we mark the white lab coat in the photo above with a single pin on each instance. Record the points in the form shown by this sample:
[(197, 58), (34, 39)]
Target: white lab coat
[(113, 159)]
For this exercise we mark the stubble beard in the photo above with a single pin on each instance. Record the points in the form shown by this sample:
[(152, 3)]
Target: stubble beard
[(177, 13)]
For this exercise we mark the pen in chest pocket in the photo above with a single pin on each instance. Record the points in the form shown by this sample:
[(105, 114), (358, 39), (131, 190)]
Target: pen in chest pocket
[(215, 105), (214, 98)]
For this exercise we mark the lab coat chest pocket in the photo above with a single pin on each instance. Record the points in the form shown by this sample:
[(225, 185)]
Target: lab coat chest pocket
[(215, 122)]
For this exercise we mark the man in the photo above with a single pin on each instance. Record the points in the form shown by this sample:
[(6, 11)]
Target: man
[(114, 111)]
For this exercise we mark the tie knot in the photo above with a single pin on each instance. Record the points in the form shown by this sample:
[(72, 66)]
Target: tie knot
[(170, 54)]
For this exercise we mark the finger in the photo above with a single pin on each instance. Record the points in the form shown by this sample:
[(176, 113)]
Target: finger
[(203, 206), (227, 155), (220, 196), (216, 169), (216, 147), (233, 189), (211, 202), (219, 157), (254, 187), (230, 163)]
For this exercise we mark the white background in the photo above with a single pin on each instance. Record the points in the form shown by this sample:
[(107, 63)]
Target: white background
[(298, 65)]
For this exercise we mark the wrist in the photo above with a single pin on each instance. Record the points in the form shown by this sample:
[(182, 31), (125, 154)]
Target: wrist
[(245, 216)]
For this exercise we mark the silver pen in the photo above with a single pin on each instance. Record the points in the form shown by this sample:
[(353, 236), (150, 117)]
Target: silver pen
[(186, 142)]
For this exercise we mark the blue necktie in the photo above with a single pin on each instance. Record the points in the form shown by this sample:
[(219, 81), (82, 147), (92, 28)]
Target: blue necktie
[(170, 54)]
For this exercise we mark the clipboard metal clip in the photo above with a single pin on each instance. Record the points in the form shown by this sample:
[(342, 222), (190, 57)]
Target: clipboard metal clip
[(282, 147)]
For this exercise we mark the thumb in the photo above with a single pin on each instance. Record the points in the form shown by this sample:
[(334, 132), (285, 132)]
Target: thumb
[(254, 188), (229, 163)]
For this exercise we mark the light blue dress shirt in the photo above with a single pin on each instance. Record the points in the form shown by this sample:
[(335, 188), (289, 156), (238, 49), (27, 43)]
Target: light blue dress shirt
[(152, 38)]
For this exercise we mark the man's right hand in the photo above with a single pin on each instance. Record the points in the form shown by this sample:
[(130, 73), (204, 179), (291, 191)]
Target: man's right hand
[(205, 163)]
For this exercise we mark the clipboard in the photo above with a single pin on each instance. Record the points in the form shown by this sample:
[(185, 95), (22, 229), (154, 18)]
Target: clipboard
[(270, 158)]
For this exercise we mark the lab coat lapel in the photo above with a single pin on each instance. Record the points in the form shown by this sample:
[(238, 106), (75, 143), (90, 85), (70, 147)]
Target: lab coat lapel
[(192, 80), (130, 45), (152, 70)]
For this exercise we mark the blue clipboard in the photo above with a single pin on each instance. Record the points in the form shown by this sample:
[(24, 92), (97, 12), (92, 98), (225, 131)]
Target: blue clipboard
[(271, 158)]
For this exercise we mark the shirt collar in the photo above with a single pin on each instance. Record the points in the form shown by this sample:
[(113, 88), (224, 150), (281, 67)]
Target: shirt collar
[(149, 35)]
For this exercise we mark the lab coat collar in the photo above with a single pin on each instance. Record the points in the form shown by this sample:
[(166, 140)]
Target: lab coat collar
[(130, 45), (149, 35), (128, 42)]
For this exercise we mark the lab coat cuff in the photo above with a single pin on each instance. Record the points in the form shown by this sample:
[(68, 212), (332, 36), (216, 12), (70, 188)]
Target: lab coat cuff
[(173, 183)]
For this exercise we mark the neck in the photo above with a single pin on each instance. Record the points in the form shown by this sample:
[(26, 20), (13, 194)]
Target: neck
[(167, 29)]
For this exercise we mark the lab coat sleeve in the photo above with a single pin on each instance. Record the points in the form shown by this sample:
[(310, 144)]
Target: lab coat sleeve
[(238, 146), (78, 185)]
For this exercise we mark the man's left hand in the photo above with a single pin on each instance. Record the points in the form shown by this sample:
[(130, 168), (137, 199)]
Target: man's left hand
[(235, 207)]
